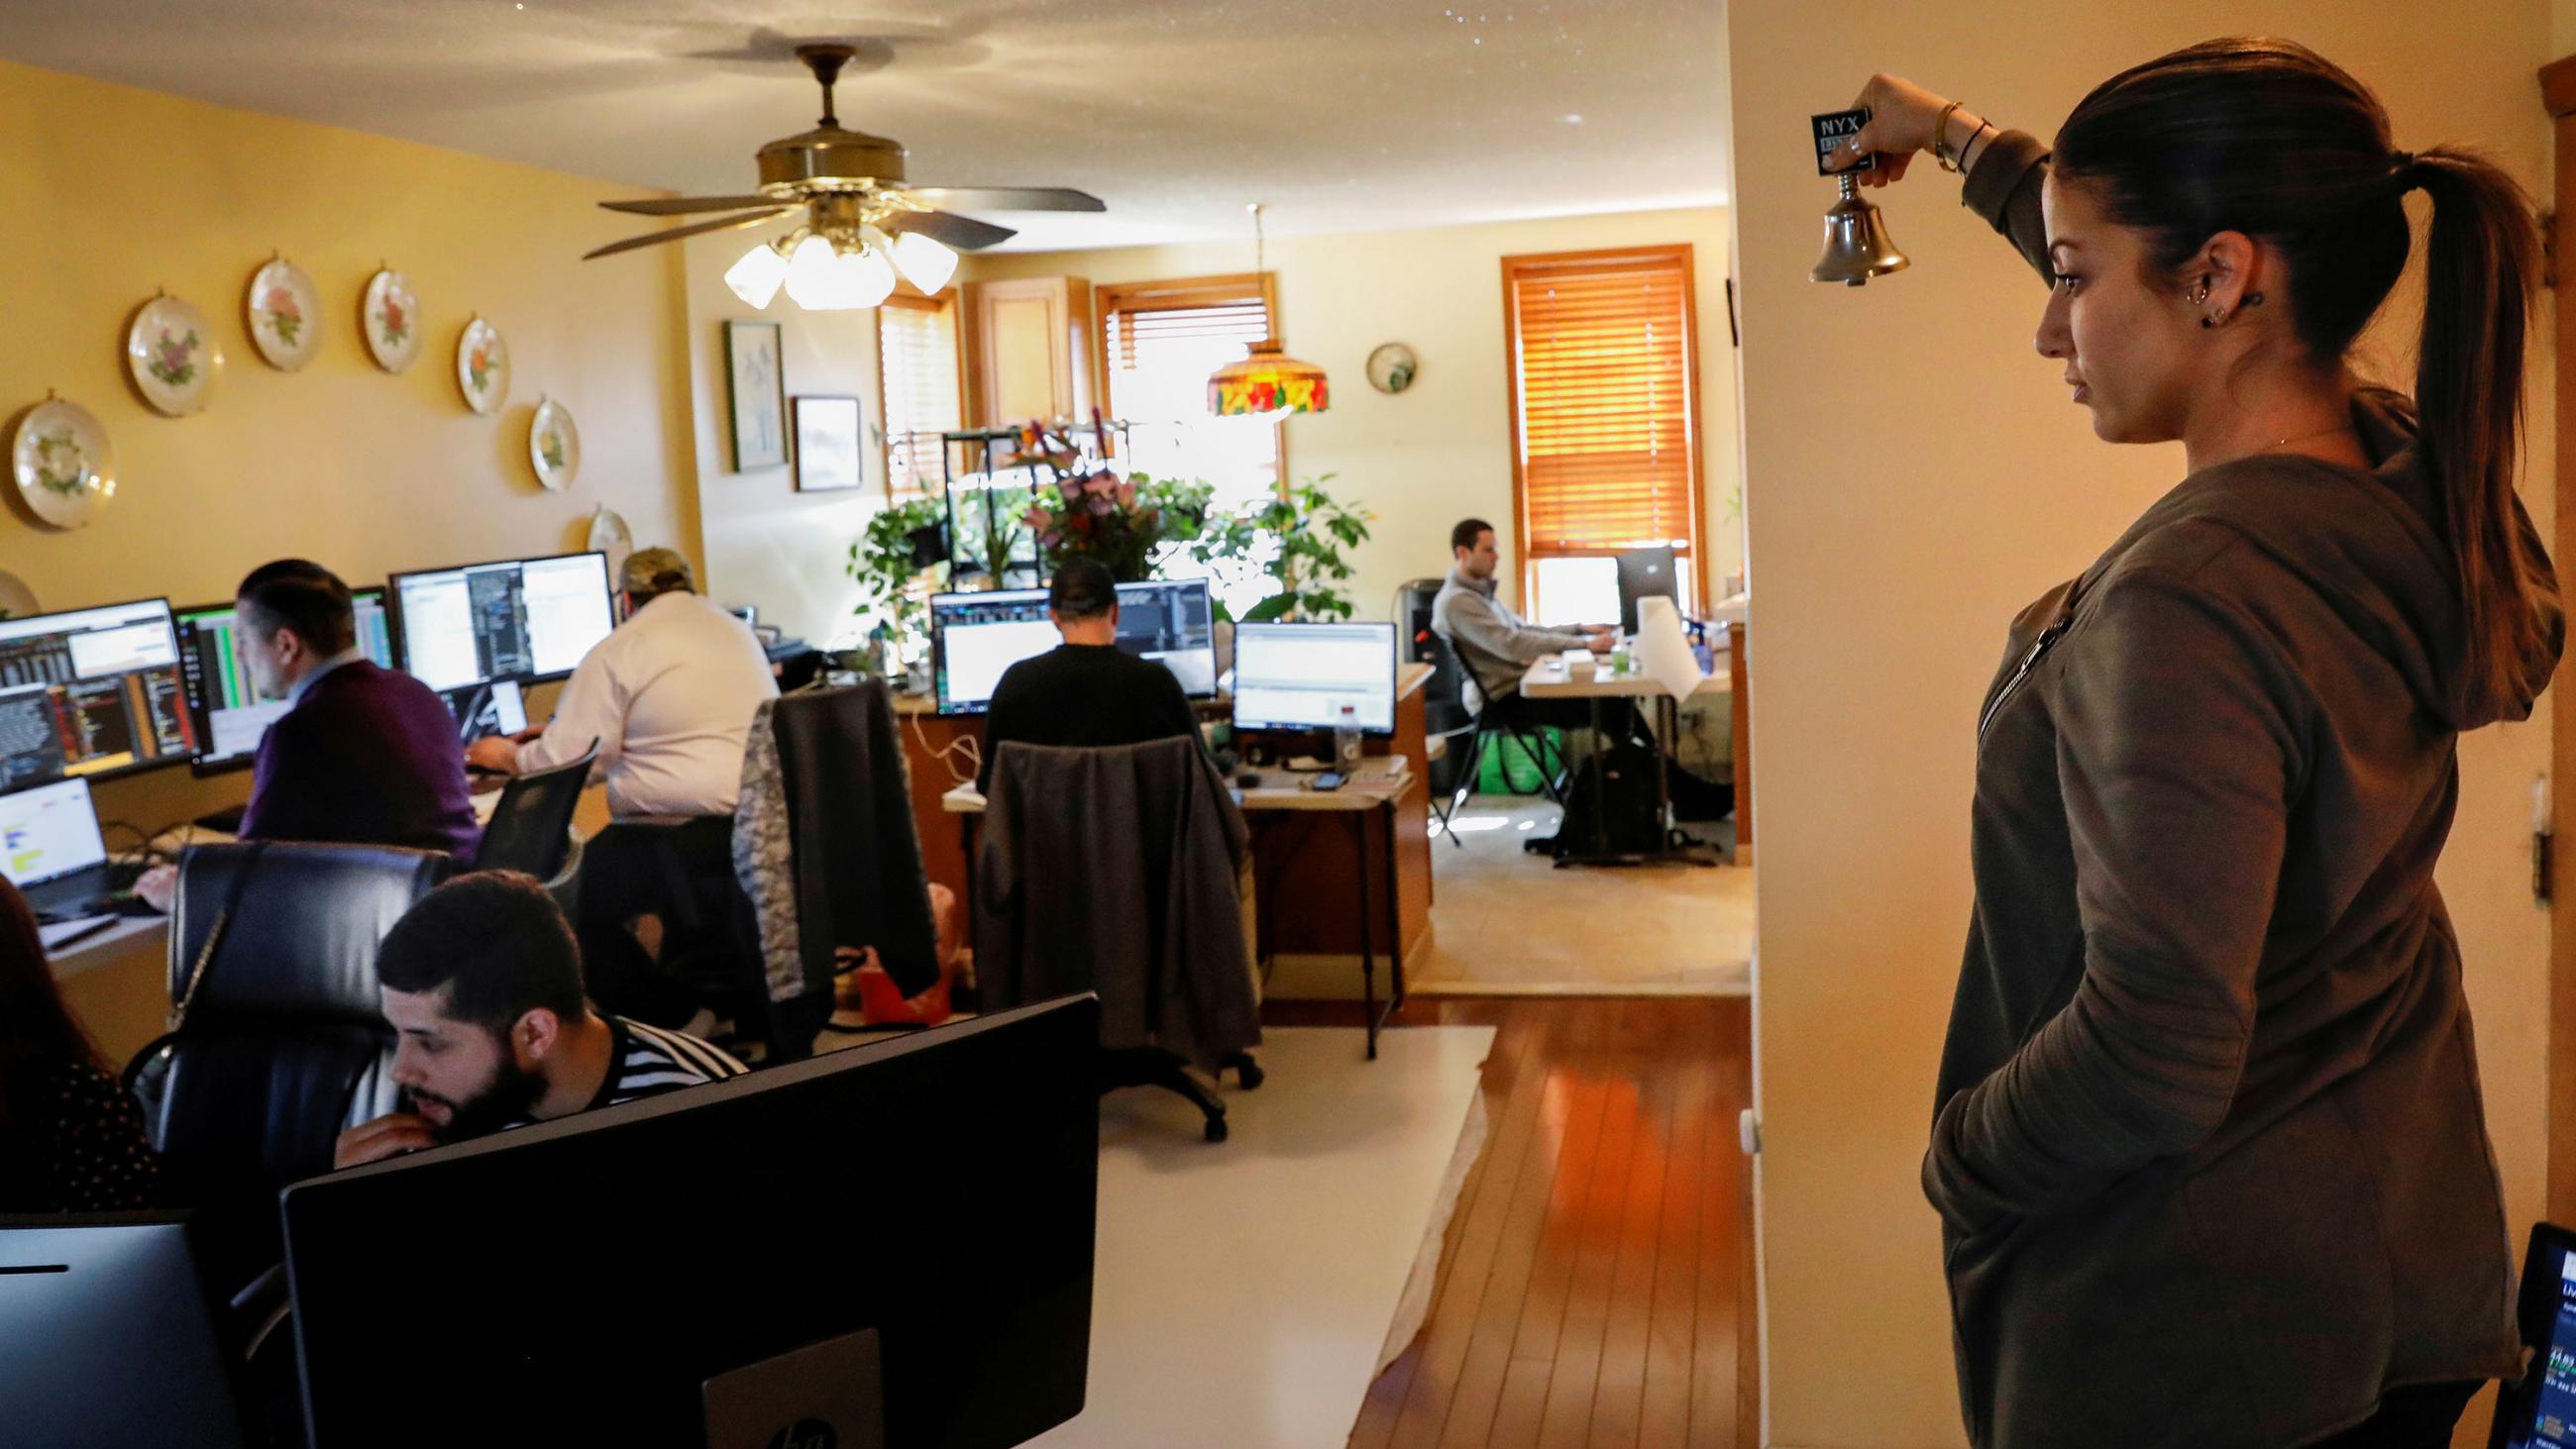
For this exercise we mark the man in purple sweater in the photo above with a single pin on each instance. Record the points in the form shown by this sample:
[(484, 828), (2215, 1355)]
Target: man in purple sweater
[(367, 756)]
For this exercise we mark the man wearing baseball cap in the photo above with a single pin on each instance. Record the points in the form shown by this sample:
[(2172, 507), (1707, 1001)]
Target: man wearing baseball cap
[(669, 696)]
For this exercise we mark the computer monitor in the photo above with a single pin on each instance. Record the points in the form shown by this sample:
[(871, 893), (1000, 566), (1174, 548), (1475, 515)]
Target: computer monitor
[(974, 637), (725, 1261), (525, 619), (111, 1335), (2538, 1411), (1298, 676), (1644, 572), (230, 716), (1173, 623), (91, 692)]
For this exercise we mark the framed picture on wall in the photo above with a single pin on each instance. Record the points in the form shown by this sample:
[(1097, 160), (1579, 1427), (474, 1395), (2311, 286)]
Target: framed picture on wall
[(759, 389), (827, 444)]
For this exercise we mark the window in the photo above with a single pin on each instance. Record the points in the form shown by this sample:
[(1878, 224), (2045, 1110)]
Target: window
[(1158, 343), (918, 396), (1603, 352)]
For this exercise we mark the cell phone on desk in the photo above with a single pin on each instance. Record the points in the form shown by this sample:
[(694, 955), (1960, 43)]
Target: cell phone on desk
[(1326, 780)]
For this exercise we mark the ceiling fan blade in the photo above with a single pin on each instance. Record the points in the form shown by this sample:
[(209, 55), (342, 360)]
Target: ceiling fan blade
[(684, 205), (722, 223), (964, 233), (1007, 198)]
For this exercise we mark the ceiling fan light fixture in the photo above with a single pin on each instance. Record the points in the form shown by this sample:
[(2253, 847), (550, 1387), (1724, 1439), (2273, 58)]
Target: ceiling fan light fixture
[(757, 277), (924, 261), (810, 276), (864, 277)]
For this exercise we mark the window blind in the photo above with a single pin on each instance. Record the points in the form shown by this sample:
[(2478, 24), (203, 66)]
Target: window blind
[(919, 396), (1159, 342), (1606, 446)]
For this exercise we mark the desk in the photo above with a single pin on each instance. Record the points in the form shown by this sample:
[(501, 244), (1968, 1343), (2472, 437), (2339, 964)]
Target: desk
[(1381, 785), (1550, 678)]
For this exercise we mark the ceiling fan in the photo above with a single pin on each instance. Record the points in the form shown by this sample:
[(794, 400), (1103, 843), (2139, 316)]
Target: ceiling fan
[(861, 224)]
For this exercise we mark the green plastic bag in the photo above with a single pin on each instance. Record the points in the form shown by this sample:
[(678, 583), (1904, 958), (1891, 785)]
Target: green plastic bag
[(1509, 769)]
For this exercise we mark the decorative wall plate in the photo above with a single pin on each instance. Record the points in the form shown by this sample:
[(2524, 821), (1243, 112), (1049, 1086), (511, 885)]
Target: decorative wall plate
[(17, 601), (60, 457), (1391, 368), (170, 353), (390, 316), (610, 535), (483, 366), (283, 311), (554, 445)]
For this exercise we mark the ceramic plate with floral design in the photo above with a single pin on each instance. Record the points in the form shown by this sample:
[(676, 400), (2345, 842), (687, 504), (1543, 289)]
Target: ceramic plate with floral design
[(483, 366), (60, 458), (554, 445), (284, 314), (17, 601), (390, 315), (610, 535), (170, 353)]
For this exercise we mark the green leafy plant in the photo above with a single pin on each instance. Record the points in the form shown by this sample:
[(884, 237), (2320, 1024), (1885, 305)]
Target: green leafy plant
[(1312, 531), (894, 591)]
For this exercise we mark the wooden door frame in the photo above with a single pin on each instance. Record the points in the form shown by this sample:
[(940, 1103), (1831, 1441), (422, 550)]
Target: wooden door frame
[(2558, 93)]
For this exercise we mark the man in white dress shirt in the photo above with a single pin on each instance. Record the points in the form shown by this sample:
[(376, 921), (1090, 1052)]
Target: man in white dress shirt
[(669, 696)]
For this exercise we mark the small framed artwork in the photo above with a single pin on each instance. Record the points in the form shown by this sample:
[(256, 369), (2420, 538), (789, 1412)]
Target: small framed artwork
[(827, 444), (759, 386)]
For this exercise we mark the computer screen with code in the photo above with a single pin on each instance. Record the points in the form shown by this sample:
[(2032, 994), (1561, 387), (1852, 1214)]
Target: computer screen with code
[(91, 693), (522, 619), (230, 716)]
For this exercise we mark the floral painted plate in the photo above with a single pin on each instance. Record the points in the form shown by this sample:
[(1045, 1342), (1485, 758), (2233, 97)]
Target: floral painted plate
[(284, 313), (390, 316), (17, 601), (59, 455), (483, 366), (610, 535), (554, 445), (170, 353)]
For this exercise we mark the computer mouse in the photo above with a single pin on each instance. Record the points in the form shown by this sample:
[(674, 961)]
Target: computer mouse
[(1249, 779)]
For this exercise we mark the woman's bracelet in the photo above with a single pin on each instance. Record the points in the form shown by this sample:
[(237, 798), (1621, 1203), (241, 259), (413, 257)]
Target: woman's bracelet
[(1983, 126), (1940, 138)]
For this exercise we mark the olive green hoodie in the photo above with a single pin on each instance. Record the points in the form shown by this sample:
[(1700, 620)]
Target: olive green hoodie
[(2208, 1150)]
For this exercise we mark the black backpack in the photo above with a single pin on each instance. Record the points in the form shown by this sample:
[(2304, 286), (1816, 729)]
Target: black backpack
[(1613, 807)]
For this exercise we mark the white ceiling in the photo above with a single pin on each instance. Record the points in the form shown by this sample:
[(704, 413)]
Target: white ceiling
[(1338, 114)]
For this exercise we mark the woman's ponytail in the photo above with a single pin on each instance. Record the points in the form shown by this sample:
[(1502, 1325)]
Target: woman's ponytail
[(2481, 276)]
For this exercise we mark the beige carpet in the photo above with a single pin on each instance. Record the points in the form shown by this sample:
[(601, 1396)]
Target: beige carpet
[(1505, 922)]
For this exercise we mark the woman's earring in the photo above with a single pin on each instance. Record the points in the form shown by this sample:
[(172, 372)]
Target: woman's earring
[(2253, 299), (2199, 294)]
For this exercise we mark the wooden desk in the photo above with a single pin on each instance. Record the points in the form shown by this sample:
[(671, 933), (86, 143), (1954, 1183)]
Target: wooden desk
[(1374, 792), (1552, 678)]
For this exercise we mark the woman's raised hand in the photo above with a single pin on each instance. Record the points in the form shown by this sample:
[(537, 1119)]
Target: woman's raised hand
[(1902, 116)]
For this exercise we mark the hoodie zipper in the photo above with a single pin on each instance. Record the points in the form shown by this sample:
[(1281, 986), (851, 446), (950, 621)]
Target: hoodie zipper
[(2039, 648)]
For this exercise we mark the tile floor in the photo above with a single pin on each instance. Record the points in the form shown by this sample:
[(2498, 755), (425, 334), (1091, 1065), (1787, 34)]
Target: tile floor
[(1506, 922)]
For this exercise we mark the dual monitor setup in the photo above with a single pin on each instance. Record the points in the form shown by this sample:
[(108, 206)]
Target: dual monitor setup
[(1286, 676), (91, 694)]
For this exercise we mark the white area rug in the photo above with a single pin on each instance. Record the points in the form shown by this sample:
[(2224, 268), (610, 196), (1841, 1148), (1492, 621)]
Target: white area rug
[(1244, 1290)]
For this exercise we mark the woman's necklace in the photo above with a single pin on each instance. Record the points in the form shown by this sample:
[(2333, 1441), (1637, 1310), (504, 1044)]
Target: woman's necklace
[(2344, 427)]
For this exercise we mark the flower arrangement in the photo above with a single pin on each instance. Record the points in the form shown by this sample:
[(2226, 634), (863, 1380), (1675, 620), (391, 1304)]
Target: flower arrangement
[(285, 318), (1096, 513), (173, 358), (60, 466), (395, 321)]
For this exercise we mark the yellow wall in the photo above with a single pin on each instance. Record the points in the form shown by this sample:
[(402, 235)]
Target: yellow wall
[(1915, 476), (113, 192), (1442, 449)]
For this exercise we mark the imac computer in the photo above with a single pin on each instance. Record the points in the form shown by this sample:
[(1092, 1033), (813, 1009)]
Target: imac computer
[(525, 619), (1643, 573), (888, 1245), (92, 693), (111, 1335), (230, 716), (975, 637), (1299, 676)]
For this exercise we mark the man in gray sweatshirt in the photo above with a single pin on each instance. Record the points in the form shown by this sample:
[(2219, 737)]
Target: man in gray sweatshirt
[(1495, 645)]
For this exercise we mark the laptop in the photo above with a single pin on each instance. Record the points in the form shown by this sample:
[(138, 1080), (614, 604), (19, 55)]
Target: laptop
[(2540, 1411), (51, 850), (485, 710)]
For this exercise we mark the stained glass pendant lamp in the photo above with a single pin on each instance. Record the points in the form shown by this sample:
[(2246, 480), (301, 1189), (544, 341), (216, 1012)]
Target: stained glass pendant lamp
[(1267, 381)]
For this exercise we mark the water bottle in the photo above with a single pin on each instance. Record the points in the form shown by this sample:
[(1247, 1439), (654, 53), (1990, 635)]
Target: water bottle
[(1346, 742)]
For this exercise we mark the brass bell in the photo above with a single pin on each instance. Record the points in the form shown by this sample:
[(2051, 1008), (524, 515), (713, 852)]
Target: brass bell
[(1856, 244)]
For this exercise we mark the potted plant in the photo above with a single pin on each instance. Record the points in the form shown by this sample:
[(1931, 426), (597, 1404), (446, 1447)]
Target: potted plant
[(891, 560), (1299, 539)]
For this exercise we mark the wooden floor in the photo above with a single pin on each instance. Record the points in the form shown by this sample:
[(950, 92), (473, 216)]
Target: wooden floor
[(1596, 1284)]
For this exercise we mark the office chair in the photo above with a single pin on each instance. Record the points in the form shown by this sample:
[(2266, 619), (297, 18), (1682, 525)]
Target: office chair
[(531, 828), (278, 1039), (1447, 716)]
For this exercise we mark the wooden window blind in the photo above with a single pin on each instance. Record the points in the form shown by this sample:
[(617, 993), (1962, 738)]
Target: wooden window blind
[(920, 394), (1158, 343), (1603, 352)]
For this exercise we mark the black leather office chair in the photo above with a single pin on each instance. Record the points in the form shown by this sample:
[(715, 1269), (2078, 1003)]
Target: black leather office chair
[(1447, 717), (278, 1040), (531, 828)]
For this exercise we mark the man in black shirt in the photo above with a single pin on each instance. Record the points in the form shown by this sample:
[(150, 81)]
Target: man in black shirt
[(1085, 691)]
